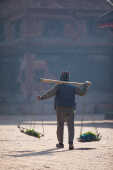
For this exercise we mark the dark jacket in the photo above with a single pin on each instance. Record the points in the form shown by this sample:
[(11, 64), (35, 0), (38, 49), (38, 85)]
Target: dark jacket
[(65, 94)]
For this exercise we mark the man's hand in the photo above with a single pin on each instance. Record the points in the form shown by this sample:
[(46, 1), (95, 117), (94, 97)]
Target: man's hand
[(39, 97), (88, 83)]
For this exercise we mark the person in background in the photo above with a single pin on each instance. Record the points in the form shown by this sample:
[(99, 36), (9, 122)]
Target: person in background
[(65, 105)]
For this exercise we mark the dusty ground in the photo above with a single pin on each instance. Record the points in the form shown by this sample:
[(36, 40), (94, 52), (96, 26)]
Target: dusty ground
[(21, 152)]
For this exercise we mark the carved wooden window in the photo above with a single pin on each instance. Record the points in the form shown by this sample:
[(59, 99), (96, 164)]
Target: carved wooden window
[(91, 26), (16, 26), (53, 28), (2, 32)]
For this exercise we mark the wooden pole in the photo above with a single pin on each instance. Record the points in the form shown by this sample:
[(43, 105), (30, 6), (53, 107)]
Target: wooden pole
[(64, 82)]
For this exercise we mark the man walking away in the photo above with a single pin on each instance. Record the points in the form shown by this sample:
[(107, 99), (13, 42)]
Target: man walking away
[(65, 106)]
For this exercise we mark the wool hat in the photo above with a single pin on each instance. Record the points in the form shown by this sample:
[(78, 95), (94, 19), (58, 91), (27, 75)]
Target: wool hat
[(64, 76)]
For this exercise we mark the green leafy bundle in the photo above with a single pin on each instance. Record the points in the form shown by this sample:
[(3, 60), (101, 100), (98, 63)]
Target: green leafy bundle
[(89, 136), (32, 132)]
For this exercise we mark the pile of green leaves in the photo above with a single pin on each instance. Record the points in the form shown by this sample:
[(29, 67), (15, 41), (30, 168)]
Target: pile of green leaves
[(89, 136), (32, 132)]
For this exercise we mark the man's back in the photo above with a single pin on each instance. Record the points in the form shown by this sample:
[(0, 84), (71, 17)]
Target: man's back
[(65, 96)]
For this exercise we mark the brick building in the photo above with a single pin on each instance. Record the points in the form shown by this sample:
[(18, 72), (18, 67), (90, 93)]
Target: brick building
[(41, 38)]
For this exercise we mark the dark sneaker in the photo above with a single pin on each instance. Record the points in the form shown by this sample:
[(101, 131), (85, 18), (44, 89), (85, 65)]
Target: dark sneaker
[(60, 145), (71, 146)]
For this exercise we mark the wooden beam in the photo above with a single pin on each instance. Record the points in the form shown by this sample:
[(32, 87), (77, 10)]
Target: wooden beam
[(64, 82)]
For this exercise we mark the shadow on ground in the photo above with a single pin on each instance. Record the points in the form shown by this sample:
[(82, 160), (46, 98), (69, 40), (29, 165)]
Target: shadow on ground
[(45, 152)]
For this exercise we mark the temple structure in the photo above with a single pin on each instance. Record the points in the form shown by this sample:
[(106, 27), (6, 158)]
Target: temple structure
[(41, 38)]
